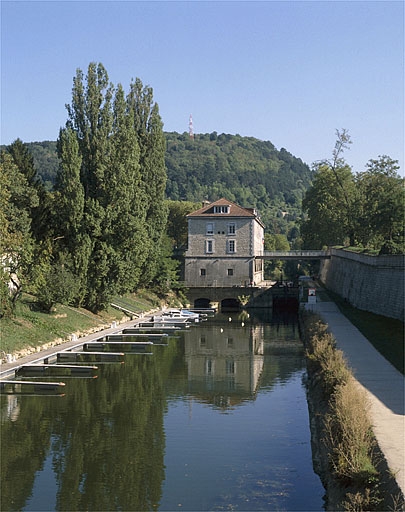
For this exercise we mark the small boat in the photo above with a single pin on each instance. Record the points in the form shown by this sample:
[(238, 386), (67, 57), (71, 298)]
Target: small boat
[(189, 316), (176, 319)]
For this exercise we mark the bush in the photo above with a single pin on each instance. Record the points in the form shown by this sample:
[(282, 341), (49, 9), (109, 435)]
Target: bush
[(323, 356), (59, 285), (329, 362)]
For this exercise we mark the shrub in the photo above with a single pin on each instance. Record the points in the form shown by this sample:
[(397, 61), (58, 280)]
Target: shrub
[(325, 359), (349, 434)]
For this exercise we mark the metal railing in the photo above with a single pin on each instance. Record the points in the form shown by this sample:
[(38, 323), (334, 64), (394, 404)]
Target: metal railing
[(295, 255), (213, 283)]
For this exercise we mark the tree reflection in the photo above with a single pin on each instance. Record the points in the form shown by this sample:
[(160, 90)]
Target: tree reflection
[(106, 438)]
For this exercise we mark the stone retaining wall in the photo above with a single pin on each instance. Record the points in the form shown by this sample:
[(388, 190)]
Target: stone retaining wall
[(371, 283)]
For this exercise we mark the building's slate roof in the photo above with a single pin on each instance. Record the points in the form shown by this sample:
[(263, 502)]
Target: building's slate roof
[(234, 210)]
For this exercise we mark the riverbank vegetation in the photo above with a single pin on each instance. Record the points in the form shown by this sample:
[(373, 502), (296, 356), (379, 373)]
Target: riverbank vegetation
[(346, 454)]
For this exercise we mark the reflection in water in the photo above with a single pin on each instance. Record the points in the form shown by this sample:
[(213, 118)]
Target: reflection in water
[(224, 363), (213, 421)]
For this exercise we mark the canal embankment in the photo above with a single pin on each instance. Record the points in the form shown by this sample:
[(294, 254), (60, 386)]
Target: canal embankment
[(352, 392), (370, 283)]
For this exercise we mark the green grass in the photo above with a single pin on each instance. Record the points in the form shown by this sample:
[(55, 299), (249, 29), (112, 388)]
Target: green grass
[(33, 328), (385, 334)]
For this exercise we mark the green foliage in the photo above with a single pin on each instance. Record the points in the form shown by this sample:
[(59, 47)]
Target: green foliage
[(276, 243), (366, 209), (149, 131), (246, 170), (274, 268), (177, 227), (381, 206), (24, 160), (45, 161), (243, 169), (58, 285), (329, 220), (167, 275), (110, 188), (17, 199)]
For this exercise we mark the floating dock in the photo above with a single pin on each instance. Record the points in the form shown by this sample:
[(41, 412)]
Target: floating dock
[(203, 311), (138, 336), (84, 357), (152, 331), (158, 327), (53, 370), (122, 346), (20, 387)]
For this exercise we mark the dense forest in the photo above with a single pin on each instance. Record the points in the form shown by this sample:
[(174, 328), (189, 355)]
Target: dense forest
[(248, 171)]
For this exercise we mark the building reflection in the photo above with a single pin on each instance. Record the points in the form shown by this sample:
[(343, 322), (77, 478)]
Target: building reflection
[(224, 364), (10, 410)]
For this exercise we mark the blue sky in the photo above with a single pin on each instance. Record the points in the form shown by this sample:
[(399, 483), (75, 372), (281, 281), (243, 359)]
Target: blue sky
[(288, 72)]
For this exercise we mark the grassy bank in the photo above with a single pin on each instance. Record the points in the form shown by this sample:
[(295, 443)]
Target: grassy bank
[(31, 328), (349, 461)]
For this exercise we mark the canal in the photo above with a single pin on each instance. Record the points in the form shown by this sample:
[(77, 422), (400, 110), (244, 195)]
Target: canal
[(217, 419)]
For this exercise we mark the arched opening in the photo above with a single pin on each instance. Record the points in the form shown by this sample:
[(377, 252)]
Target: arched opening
[(202, 303), (230, 305)]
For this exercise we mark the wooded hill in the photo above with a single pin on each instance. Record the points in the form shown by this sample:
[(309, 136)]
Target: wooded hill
[(246, 170)]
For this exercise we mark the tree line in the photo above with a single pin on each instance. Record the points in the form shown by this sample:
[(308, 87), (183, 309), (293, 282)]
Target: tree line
[(364, 209)]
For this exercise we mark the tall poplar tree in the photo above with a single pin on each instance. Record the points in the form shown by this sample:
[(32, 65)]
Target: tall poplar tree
[(122, 177), (72, 244), (152, 144)]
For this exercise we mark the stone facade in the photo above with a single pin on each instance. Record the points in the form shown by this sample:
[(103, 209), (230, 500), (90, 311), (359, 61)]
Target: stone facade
[(223, 240), (371, 283)]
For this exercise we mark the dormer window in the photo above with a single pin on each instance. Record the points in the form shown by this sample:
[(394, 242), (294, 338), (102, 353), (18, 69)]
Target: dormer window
[(221, 209)]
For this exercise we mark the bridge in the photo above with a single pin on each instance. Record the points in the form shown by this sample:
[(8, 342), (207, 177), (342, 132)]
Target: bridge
[(294, 255), (228, 298)]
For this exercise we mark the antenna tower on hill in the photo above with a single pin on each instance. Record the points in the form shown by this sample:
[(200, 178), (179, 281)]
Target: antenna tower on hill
[(190, 127)]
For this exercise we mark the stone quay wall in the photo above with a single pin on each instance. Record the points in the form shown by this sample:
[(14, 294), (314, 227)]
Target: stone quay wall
[(371, 283)]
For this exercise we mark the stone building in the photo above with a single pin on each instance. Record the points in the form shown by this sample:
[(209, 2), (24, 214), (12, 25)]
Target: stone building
[(224, 240)]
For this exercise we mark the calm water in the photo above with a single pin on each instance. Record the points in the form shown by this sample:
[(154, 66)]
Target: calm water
[(215, 420)]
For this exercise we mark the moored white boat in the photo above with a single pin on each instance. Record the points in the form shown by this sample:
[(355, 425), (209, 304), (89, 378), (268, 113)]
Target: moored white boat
[(170, 319)]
